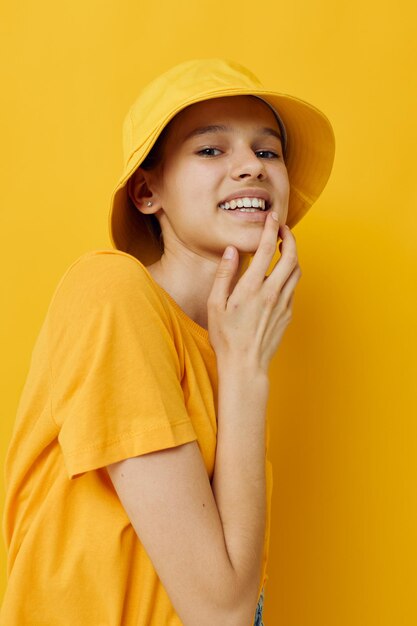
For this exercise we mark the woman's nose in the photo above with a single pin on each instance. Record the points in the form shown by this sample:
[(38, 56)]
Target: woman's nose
[(246, 163)]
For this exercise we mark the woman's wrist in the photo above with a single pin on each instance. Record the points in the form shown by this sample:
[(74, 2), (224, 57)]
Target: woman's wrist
[(242, 386), (243, 369)]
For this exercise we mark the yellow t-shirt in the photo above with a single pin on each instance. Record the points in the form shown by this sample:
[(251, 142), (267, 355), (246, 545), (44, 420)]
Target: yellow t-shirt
[(118, 370)]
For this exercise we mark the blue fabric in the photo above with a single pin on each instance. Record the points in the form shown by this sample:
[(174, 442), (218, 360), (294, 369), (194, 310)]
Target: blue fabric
[(259, 609)]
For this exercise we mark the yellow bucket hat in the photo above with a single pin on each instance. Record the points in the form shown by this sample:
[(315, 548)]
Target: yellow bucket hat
[(308, 136)]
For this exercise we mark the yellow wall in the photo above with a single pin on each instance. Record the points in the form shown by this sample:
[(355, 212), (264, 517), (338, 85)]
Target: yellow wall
[(343, 411)]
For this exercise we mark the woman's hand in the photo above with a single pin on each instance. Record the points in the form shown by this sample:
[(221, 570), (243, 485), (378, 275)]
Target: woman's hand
[(248, 322)]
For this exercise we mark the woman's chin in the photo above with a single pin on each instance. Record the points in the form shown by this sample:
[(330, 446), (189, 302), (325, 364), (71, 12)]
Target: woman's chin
[(248, 247)]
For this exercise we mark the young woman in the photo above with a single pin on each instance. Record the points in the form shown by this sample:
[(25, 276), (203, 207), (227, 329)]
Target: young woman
[(138, 484)]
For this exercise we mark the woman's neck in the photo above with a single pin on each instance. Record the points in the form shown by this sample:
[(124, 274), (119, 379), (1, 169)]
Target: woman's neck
[(188, 278)]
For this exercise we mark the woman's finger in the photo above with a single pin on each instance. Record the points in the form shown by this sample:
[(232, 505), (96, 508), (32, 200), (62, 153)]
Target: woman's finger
[(222, 285), (285, 265), (255, 274), (288, 289)]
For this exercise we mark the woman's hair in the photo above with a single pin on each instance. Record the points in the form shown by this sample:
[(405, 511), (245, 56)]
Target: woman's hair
[(152, 161)]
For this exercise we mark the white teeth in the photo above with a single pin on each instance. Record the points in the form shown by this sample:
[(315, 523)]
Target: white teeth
[(244, 202)]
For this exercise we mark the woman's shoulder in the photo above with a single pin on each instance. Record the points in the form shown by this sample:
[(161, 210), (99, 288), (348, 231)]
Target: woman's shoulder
[(106, 276), (106, 262), (98, 267)]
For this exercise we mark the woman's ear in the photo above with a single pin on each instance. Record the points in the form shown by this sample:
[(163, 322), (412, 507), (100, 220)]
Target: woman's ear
[(140, 193)]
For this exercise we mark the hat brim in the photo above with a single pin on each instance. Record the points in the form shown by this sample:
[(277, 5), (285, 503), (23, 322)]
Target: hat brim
[(309, 160)]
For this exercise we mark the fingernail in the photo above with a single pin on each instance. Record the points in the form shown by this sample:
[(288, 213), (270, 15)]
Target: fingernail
[(228, 253), (275, 216)]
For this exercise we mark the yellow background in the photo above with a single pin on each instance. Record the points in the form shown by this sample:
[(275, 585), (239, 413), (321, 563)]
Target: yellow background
[(343, 409)]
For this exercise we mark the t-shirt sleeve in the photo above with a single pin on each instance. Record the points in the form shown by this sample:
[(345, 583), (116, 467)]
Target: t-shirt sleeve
[(115, 369)]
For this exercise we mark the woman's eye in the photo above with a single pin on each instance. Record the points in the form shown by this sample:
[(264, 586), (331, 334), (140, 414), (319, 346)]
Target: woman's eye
[(209, 152), (274, 154), (205, 151)]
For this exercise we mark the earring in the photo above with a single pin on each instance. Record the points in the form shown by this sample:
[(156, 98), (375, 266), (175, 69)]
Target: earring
[(149, 203)]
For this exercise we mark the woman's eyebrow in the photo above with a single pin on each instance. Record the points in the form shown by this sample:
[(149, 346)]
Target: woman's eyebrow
[(220, 128)]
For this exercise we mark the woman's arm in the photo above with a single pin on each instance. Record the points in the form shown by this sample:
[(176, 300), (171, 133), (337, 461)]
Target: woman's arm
[(169, 500), (239, 478), (246, 327), (206, 541)]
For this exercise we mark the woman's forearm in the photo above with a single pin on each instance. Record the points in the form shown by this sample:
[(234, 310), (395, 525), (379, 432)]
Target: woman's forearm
[(239, 473)]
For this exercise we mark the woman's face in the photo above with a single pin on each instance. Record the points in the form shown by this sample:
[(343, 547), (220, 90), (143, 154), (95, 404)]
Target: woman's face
[(201, 168)]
